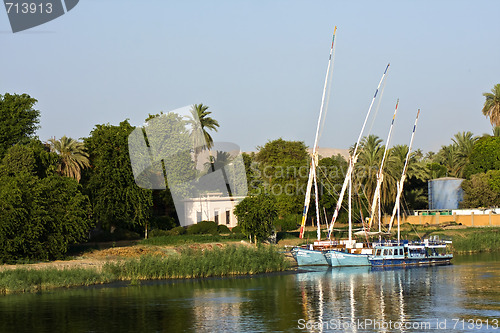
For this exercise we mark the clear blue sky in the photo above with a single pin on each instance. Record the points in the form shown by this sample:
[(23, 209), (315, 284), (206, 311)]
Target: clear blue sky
[(260, 66)]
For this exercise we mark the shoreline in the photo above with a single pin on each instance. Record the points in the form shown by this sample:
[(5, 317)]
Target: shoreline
[(219, 262)]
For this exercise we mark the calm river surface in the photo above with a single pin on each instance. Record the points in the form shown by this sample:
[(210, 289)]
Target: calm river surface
[(463, 297)]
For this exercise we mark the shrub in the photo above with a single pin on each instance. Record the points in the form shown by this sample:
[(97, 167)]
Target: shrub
[(222, 229), (203, 227), (236, 230), (177, 231), (158, 233)]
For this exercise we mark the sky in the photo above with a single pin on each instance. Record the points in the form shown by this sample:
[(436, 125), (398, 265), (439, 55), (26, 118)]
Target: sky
[(260, 66)]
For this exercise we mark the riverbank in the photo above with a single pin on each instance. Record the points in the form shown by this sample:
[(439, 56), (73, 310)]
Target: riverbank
[(229, 260)]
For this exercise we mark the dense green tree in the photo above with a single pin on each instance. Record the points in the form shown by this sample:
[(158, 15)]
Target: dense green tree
[(485, 156), (18, 120), (116, 199), (41, 213), (482, 190), (491, 106), (73, 156), (253, 173), (256, 215), (284, 170), (33, 158)]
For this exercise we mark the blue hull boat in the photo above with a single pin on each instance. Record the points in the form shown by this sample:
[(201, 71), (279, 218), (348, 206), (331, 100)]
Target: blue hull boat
[(309, 257), (337, 258)]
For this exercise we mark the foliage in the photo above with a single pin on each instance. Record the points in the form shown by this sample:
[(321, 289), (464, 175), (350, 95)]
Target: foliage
[(41, 213), (436, 170), (177, 231), (74, 157), (36, 280), (172, 232), (18, 120), (169, 140), (230, 260), (283, 169), (222, 229), (331, 174), (200, 121), (116, 199), (485, 156), (227, 261), (254, 180), (456, 156), (482, 190), (203, 227), (163, 222), (287, 223), (32, 157), (255, 216), (477, 240), (236, 230), (491, 106)]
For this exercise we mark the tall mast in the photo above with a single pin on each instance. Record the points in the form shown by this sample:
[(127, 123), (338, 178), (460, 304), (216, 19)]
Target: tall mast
[(403, 175), (380, 177), (314, 158), (354, 157)]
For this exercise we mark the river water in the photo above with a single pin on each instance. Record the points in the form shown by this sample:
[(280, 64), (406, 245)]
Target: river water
[(462, 297)]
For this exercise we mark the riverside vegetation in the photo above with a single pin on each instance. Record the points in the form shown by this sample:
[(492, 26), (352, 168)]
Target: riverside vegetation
[(219, 262)]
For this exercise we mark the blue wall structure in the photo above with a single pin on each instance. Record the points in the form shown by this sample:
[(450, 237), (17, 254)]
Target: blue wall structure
[(445, 193)]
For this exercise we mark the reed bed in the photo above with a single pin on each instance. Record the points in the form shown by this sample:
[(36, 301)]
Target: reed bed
[(191, 263), (477, 240), (227, 261), (35, 280)]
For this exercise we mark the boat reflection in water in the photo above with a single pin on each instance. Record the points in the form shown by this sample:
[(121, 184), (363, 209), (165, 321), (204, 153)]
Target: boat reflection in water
[(363, 299)]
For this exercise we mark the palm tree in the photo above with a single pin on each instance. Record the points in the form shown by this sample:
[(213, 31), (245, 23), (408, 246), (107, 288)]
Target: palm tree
[(492, 105), (447, 156), (395, 164), (369, 159), (74, 157), (464, 143), (200, 121)]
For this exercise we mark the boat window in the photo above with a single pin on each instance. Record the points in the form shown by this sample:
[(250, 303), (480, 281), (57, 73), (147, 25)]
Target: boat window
[(400, 252), (390, 252)]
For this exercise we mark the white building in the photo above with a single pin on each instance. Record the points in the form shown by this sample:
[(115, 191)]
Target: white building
[(211, 207)]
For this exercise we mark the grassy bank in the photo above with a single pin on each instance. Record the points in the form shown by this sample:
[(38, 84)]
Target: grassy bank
[(189, 263), (473, 240), (191, 239)]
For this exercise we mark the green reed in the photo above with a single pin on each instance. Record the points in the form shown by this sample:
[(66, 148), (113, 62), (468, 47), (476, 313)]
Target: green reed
[(219, 262), (191, 263)]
